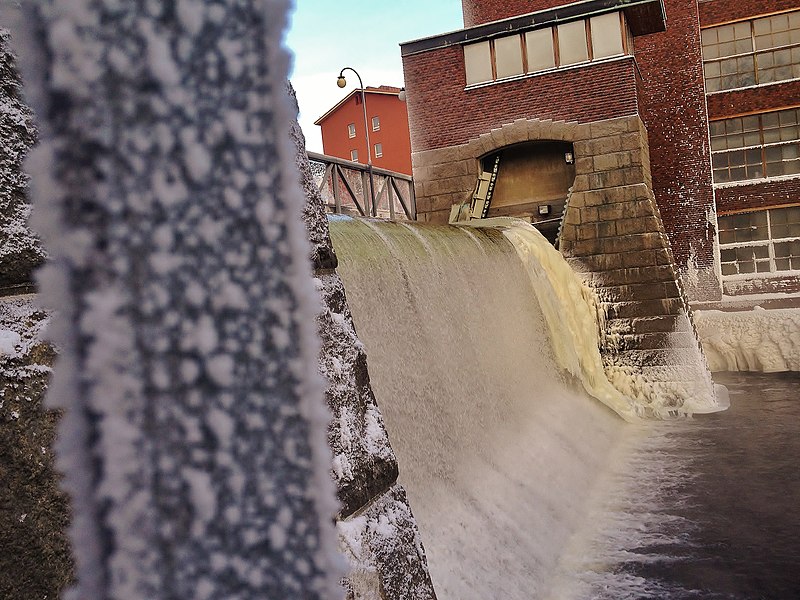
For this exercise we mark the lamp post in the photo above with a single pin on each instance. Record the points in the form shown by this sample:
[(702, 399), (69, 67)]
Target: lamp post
[(341, 82)]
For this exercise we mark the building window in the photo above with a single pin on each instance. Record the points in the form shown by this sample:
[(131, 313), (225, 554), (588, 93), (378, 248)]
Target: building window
[(756, 146), (478, 62), (354, 155), (508, 56), (376, 124), (351, 130), (572, 46), (378, 150), (752, 52), (539, 46), (546, 48), (766, 241), (607, 36)]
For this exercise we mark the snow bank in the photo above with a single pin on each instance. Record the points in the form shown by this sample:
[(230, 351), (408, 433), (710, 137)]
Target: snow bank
[(759, 340)]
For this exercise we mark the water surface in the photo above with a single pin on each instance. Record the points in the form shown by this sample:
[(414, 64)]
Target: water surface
[(720, 514)]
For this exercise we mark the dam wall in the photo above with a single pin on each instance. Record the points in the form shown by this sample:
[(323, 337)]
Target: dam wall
[(611, 233)]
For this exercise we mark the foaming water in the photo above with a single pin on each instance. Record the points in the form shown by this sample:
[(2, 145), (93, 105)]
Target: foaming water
[(522, 484), (498, 452)]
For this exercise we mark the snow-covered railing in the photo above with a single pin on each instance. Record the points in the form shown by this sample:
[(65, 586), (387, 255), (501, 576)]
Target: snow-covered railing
[(345, 187)]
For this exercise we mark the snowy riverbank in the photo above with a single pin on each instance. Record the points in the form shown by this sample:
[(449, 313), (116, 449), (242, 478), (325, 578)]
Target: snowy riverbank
[(757, 340)]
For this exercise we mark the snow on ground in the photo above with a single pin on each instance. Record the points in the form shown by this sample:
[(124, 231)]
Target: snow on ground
[(759, 340)]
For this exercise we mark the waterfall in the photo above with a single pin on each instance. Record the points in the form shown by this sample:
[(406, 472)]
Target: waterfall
[(499, 447), (482, 350)]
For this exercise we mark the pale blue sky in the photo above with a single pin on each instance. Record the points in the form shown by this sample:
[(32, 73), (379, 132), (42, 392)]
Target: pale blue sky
[(327, 35)]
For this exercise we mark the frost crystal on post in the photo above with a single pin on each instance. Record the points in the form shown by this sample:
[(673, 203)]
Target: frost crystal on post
[(193, 441)]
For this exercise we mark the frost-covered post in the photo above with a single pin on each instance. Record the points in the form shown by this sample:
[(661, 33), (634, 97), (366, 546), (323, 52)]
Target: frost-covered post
[(193, 441)]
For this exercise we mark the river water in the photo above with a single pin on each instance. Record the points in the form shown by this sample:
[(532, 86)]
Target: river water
[(714, 512)]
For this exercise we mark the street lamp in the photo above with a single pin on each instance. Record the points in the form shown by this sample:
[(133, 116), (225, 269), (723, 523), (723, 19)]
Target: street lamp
[(341, 82)]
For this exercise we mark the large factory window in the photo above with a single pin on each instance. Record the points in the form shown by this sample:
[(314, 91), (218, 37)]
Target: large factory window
[(754, 52), (756, 146), (766, 241), (539, 50)]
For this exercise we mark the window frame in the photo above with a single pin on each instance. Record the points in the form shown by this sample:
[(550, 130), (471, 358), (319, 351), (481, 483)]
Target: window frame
[(378, 148), (752, 54), (354, 155), (376, 123), (522, 41), (351, 130), (748, 149), (769, 243)]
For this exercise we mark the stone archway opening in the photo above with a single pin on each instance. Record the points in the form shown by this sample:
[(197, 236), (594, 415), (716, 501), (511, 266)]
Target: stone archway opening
[(530, 181)]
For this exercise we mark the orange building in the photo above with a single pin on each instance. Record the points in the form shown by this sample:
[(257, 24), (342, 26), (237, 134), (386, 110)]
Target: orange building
[(387, 118)]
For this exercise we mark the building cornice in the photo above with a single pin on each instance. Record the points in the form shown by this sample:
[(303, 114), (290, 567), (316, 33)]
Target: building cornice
[(643, 16)]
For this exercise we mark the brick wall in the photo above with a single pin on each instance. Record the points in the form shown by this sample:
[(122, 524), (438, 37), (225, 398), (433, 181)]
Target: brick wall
[(761, 99), (716, 12), (672, 101), (442, 113), (758, 195), (477, 12), (392, 135)]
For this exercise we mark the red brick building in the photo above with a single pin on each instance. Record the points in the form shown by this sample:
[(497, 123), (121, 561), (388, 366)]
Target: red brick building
[(559, 103), (343, 133)]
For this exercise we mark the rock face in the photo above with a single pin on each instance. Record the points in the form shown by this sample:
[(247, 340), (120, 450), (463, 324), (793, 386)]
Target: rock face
[(193, 436), (378, 532), (34, 513), (20, 251)]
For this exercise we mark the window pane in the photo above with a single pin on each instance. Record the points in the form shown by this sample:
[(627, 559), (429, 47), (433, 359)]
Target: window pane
[(747, 267), (378, 150), (782, 264), (508, 56), (606, 35), (762, 267), (376, 124), (540, 50), (780, 231), (478, 63), (572, 43), (727, 255)]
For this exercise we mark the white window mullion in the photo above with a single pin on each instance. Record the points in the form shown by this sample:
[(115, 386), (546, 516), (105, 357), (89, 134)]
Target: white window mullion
[(772, 267)]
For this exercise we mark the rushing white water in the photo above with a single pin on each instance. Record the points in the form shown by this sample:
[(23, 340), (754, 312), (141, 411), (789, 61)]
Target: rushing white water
[(499, 453)]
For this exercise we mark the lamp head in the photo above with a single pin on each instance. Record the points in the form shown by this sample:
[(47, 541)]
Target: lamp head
[(341, 81)]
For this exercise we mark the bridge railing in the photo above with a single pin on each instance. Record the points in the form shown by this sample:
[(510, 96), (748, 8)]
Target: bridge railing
[(345, 189)]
